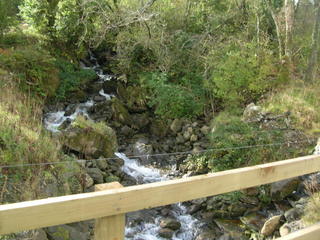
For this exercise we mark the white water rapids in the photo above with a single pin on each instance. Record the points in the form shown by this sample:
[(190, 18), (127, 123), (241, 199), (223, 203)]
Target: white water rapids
[(146, 230), (149, 231)]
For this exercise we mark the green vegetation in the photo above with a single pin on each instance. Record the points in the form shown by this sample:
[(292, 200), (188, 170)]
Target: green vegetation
[(194, 59), (302, 101), (233, 137), (312, 213), (71, 78)]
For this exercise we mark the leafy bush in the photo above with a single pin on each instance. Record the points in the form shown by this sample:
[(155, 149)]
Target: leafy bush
[(233, 138), (240, 76), (71, 78), (173, 100)]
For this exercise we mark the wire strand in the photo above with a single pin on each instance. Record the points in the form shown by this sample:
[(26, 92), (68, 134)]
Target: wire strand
[(309, 140)]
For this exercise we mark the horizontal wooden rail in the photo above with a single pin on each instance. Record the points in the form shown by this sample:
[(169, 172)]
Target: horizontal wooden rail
[(309, 233), (61, 210)]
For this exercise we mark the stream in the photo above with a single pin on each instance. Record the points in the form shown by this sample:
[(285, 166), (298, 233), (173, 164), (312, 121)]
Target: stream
[(149, 228)]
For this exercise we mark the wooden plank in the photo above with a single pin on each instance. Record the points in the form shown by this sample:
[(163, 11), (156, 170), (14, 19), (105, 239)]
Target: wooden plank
[(309, 233), (67, 209), (112, 227)]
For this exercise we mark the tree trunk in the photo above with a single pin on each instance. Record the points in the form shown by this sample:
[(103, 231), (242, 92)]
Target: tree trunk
[(289, 20), (312, 66)]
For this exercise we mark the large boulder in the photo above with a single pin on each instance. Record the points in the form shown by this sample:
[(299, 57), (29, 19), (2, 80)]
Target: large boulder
[(271, 225), (252, 113), (91, 139)]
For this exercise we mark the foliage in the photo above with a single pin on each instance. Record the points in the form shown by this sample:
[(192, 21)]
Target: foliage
[(8, 15), (34, 67), (71, 78), (173, 100), (240, 75), (232, 138)]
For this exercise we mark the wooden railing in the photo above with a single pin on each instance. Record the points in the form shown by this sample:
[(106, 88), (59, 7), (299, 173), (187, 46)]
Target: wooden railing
[(110, 202)]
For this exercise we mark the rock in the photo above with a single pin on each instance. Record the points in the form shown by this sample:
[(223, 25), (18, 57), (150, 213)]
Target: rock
[(110, 87), (186, 135), (127, 131), (176, 125), (140, 121), (166, 233), (96, 175), (193, 209), (39, 235), (231, 228), (158, 128), (284, 230), (206, 235), (91, 139), (292, 214), (280, 190), (99, 98), (205, 130), (317, 148), (170, 223), (120, 112), (141, 148), (193, 138), (252, 113), (66, 232), (88, 181), (254, 191), (197, 149), (180, 139), (102, 164), (251, 200), (270, 225), (254, 220), (226, 236)]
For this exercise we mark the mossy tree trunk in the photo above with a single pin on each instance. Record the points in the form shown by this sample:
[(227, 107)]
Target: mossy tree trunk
[(312, 66)]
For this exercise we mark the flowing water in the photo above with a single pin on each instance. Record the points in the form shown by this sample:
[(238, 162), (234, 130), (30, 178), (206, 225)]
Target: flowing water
[(147, 230)]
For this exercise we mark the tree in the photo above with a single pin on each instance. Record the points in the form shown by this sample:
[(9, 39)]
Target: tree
[(311, 71), (8, 14)]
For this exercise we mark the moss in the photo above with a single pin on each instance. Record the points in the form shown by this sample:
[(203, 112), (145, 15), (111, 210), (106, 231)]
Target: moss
[(120, 113), (61, 234), (110, 179), (90, 138)]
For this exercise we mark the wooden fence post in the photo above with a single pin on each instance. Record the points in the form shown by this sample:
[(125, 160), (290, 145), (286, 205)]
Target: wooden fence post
[(112, 227)]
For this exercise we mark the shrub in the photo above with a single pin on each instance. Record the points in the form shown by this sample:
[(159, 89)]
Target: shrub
[(173, 100), (71, 78), (239, 75)]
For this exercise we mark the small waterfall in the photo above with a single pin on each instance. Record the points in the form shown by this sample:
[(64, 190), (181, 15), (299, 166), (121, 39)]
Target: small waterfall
[(149, 231), (54, 120)]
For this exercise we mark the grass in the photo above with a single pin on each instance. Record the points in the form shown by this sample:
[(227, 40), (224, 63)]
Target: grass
[(302, 100), (312, 211), (22, 139)]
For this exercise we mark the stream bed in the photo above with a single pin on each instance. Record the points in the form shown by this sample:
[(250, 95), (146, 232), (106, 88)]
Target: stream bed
[(150, 227)]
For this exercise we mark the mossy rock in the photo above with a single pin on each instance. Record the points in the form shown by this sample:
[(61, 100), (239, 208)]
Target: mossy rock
[(120, 112), (91, 139)]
